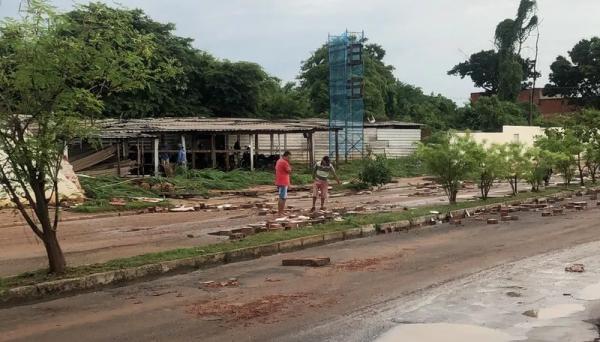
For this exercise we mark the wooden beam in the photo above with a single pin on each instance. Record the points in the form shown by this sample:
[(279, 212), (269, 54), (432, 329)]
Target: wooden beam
[(285, 147), (213, 154), (272, 146), (156, 141)]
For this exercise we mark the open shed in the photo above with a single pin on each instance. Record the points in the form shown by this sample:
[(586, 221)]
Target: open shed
[(139, 145)]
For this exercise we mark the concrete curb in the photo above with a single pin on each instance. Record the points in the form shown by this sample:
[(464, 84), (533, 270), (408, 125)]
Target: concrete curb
[(98, 280)]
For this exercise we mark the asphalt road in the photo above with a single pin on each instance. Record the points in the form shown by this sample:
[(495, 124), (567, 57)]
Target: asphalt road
[(269, 302)]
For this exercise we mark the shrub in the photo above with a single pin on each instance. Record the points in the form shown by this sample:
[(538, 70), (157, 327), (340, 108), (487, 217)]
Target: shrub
[(375, 172)]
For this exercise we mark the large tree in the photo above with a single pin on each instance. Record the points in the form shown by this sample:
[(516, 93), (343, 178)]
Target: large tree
[(578, 78), (52, 81), (386, 97), (503, 71), (510, 36), (482, 68)]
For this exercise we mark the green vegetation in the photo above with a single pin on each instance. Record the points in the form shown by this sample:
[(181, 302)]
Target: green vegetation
[(101, 190), (350, 222), (375, 172), (577, 78), (46, 83)]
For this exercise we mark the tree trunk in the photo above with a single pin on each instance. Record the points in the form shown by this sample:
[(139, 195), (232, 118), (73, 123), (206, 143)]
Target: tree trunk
[(581, 182), (452, 196), (56, 258)]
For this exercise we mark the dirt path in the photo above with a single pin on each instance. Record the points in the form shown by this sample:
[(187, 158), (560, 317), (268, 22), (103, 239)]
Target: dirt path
[(90, 239), (269, 302)]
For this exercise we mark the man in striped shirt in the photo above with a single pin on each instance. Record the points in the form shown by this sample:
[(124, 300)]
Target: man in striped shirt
[(321, 173)]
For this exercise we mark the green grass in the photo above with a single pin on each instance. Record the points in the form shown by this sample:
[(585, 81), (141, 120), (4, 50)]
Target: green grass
[(258, 239)]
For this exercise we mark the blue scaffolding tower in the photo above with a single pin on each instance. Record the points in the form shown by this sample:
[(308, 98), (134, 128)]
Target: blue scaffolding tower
[(346, 92)]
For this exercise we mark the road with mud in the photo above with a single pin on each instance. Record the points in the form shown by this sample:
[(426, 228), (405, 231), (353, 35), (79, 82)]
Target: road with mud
[(88, 239), (439, 275)]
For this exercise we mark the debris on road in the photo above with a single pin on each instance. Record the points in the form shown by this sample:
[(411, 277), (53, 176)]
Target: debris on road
[(575, 268), (232, 282), (181, 209), (307, 262), (261, 308)]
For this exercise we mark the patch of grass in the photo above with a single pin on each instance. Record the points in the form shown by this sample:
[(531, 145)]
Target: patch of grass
[(258, 239)]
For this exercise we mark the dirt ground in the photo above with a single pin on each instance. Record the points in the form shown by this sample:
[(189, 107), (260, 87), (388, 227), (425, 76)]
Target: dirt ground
[(264, 301), (87, 239)]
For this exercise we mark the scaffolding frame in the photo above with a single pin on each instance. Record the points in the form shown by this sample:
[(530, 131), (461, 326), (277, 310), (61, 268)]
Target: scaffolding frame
[(346, 92)]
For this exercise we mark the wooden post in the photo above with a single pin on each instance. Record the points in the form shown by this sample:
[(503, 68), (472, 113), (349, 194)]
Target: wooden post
[(184, 149), (138, 159), (251, 152), (119, 158), (143, 159), (226, 152), (256, 148), (193, 153), (337, 148), (285, 141), (213, 154), (156, 140), (311, 150), (272, 146)]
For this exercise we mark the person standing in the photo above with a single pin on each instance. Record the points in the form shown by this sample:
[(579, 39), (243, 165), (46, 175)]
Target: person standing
[(181, 156), (321, 173), (283, 170)]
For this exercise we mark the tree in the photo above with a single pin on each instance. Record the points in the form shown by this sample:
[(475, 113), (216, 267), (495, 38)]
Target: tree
[(540, 162), (509, 38), (48, 89), (450, 161), (489, 114), (385, 98), (566, 149), (489, 166), (483, 69), (579, 78), (516, 164)]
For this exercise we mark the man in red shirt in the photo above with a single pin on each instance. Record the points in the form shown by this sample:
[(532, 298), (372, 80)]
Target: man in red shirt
[(283, 169)]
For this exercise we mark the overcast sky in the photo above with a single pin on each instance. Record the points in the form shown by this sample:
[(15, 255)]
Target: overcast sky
[(423, 39)]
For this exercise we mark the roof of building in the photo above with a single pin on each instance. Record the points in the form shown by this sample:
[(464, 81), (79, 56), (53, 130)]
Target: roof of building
[(114, 128), (377, 124)]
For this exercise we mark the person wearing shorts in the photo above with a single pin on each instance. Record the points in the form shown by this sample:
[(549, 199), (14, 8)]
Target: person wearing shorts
[(321, 173), (283, 169)]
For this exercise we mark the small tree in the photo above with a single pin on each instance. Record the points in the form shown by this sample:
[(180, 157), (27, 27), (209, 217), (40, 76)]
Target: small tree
[(50, 82), (540, 161), (515, 164), (566, 148), (375, 172), (450, 161), (489, 166)]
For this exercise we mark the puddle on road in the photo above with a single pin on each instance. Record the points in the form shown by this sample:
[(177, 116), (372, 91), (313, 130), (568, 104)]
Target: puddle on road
[(591, 292), (443, 332), (559, 311)]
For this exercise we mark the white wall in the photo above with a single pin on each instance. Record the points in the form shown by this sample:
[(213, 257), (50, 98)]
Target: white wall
[(521, 134)]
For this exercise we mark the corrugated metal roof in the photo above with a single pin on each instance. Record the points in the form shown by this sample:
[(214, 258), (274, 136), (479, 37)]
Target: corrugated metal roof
[(116, 128)]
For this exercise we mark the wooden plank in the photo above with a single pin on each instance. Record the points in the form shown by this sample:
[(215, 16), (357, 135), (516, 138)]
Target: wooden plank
[(94, 159)]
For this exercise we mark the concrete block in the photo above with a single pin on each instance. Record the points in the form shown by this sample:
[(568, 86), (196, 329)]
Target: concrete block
[(291, 245), (492, 221), (307, 262)]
